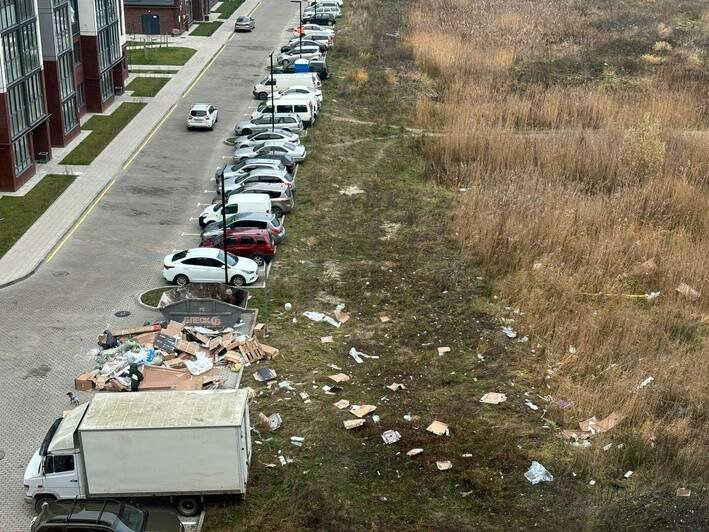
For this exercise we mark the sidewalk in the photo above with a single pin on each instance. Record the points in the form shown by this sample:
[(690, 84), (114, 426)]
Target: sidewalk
[(28, 253)]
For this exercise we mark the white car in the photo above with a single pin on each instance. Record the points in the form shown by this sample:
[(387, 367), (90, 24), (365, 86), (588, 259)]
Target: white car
[(308, 28), (203, 116), (310, 11), (296, 151), (256, 139), (206, 265), (309, 52), (301, 89)]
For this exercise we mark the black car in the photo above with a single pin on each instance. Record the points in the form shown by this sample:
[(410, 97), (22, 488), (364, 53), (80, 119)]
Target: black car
[(103, 515), (322, 19)]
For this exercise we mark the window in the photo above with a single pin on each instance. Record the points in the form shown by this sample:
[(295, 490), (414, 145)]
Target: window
[(80, 95), (247, 240), (11, 54), (301, 108), (74, 14), (60, 463), (34, 95), (62, 30), (66, 75), (8, 14), (109, 46), (18, 109), (21, 154), (106, 85), (194, 262), (30, 47), (69, 114), (213, 263), (105, 12)]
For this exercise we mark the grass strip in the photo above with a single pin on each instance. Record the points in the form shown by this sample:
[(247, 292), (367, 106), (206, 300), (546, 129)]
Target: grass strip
[(226, 9), (206, 29), (174, 55), (143, 86)]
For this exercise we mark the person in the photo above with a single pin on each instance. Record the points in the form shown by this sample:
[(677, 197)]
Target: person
[(135, 376)]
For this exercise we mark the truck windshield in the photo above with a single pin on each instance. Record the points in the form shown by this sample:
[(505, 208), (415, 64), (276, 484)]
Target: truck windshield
[(130, 519)]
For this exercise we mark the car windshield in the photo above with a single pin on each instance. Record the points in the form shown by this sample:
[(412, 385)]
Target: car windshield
[(242, 19), (231, 259), (266, 119), (194, 112)]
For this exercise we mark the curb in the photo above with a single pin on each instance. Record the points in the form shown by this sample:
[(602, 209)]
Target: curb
[(140, 296)]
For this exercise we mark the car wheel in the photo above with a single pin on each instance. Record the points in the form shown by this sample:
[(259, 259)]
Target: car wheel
[(285, 62), (188, 506), (237, 280), (181, 280), (277, 211), (258, 258), (41, 501), (263, 96)]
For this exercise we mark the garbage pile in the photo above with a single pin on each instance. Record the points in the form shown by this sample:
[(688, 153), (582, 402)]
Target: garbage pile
[(168, 355)]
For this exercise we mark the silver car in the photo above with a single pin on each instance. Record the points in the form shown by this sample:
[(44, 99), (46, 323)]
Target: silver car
[(256, 139), (288, 122), (253, 220), (281, 195), (244, 23), (297, 151), (232, 171), (259, 175)]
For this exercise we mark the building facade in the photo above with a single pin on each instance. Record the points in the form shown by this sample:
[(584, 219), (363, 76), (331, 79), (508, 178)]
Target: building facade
[(164, 17), (24, 129), (58, 60)]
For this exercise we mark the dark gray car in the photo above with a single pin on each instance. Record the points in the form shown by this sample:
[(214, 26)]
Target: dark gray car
[(253, 220)]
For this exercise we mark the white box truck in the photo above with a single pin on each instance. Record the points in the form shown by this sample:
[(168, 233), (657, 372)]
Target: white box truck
[(182, 445)]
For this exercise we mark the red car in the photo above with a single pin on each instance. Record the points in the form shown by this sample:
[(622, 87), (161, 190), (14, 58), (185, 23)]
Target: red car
[(255, 244)]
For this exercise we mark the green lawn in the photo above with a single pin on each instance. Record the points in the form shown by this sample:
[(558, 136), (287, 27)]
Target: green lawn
[(142, 86), (227, 8), (17, 214), (103, 131), (174, 55), (205, 29)]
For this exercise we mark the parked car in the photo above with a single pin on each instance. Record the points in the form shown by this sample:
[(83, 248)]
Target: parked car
[(304, 107), (316, 3), (234, 204), (317, 67), (301, 90), (265, 122), (306, 29), (255, 139), (244, 23), (202, 115), (204, 265), (259, 175), (297, 151), (335, 10), (293, 45), (231, 171), (318, 37), (281, 195), (307, 52), (255, 244), (262, 89), (253, 220), (103, 515), (321, 19)]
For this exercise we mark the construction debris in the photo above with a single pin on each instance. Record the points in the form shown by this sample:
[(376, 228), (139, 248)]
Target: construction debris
[(384, 319), (444, 466), (391, 436), (493, 398), (362, 410), (342, 404), (688, 292), (683, 492), (628, 474), (414, 452), (319, 316), (326, 339), (538, 473), (339, 377), (593, 426), (443, 350), (645, 382), (274, 421), (264, 374), (353, 423), (438, 428), (395, 386), (297, 440), (351, 190), (341, 316)]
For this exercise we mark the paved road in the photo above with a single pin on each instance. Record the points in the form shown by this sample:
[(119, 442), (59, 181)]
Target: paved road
[(49, 322)]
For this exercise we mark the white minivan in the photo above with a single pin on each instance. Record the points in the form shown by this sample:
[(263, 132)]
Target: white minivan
[(236, 203), (262, 89), (302, 106)]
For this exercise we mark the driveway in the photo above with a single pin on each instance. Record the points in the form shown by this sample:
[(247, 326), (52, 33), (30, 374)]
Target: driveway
[(49, 322)]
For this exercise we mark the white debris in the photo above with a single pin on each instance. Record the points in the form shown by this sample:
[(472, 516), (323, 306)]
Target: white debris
[(628, 474), (493, 398), (652, 296), (538, 473), (297, 440), (530, 404), (644, 383), (391, 436), (319, 316), (351, 190), (509, 332)]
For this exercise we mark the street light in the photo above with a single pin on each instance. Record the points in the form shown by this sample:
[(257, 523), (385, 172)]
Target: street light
[(273, 105), (300, 18)]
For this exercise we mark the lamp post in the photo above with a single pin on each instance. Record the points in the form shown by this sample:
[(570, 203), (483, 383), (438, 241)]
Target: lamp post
[(273, 105), (226, 261), (300, 18)]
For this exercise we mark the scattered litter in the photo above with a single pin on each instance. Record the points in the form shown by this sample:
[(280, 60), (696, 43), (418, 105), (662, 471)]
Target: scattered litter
[(444, 466), (339, 377), (443, 350), (391, 436), (359, 356), (287, 306), (384, 319), (683, 492), (607, 447), (340, 316), (319, 316), (342, 404), (538, 473), (414, 452), (645, 382), (509, 332), (572, 350), (376, 418), (466, 493), (395, 386), (593, 426), (270, 466), (297, 440), (493, 398), (282, 459), (305, 397), (286, 385), (439, 428), (408, 417), (274, 421), (652, 296), (264, 374), (530, 404), (353, 423), (688, 292), (481, 357), (331, 390), (351, 190), (362, 410), (467, 455), (592, 482), (333, 366), (628, 474), (326, 339)]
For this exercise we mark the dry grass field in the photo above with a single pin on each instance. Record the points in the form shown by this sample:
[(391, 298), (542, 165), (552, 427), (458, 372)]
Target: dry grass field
[(579, 130)]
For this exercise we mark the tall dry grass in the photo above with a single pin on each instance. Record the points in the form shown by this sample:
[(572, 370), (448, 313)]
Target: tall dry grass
[(582, 160)]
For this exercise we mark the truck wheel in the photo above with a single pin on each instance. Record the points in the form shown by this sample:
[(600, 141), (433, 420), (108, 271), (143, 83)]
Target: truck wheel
[(188, 506), (41, 501)]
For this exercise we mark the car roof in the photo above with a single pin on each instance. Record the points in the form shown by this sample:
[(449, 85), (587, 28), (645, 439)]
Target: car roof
[(260, 216), (250, 231), (265, 171), (270, 187), (200, 106), (203, 252), (103, 511)]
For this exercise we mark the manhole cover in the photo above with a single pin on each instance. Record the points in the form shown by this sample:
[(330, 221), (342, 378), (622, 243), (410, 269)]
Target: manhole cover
[(121, 314), (2, 455), (72, 339), (60, 274)]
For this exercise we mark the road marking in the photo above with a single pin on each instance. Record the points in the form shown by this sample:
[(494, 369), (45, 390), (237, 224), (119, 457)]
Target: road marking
[(152, 134), (190, 234), (203, 204), (210, 191), (80, 220), (226, 157), (206, 67), (255, 7)]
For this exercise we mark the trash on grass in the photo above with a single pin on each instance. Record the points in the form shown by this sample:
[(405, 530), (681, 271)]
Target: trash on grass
[(688, 292), (326, 339), (319, 316), (297, 440), (493, 398), (530, 404), (443, 350), (353, 423), (339, 377), (628, 474), (341, 316), (683, 492), (395, 386), (264, 374), (414, 452), (509, 332), (391, 436), (274, 421), (594, 426), (439, 428), (444, 466), (342, 404), (538, 473), (644, 383), (351, 190), (362, 410)]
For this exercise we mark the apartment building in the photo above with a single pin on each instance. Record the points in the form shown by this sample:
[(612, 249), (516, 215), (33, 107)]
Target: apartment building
[(58, 60), (24, 128)]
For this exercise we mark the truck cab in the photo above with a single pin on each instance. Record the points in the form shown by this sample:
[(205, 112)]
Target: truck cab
[(54, 471)]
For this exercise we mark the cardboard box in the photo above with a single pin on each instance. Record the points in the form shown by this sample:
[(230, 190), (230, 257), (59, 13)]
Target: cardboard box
[(84, 382), (136, 330)]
